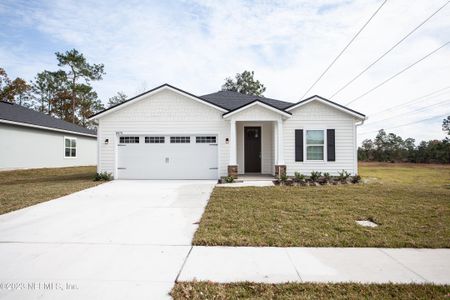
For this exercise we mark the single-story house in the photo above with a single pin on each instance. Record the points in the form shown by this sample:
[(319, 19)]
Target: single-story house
[(168, 133), (30, 139)]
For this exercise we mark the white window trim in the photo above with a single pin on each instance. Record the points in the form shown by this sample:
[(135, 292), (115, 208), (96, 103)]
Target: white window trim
[(76, 147), (305, 146)]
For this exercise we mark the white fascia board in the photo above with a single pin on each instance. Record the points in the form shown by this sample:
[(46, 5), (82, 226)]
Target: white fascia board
[(46, 128), (361, 117), (143, 96), (284, 114)]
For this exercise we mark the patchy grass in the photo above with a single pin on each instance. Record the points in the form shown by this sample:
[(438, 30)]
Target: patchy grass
[(246, 290), (22, 188), (411, 203)]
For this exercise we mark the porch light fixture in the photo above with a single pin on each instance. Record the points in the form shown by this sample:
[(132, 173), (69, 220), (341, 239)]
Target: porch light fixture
[(106, 141), (227, 140)]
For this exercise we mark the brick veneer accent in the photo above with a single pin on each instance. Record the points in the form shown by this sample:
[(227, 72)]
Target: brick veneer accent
[(233, 171), (280, 170)]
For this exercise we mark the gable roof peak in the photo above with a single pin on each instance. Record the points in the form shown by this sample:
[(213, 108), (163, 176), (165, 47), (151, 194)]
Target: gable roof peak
[(327, 102)]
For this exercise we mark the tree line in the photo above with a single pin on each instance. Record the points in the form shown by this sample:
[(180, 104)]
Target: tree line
[(389, 147), (66, 93)]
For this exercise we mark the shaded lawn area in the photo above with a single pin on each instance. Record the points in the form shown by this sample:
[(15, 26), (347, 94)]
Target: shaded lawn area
[(410, 202), (22, 188), (247, 290)]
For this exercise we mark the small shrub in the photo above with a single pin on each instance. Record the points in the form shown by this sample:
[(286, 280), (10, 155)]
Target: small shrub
[(315, 176), (343, 176), (327, 177), (299, 177), (103, 176), (229, 179), (283, 178), (356, 179), (289, 182)]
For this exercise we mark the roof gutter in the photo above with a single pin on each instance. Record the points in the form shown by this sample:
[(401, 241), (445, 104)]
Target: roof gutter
[(361, 122), (46, 128)]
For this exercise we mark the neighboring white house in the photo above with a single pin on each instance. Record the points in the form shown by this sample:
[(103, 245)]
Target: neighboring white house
[(167, 133), (30, 139)]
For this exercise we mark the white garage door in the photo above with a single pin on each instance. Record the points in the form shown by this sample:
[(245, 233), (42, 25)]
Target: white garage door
[(168, 157)]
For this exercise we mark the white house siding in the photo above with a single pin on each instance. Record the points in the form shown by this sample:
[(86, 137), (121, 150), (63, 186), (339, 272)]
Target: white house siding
[(316, 115), (267, 160), (165, 112), (24, 147)]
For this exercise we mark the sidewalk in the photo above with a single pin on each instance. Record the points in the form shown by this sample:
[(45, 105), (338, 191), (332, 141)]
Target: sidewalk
[(276, 265)]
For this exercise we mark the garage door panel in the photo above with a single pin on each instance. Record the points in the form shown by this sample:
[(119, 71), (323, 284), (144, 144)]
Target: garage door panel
[(168, 160)]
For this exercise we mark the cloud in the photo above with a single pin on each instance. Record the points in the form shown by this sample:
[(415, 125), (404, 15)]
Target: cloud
[(196, 44)]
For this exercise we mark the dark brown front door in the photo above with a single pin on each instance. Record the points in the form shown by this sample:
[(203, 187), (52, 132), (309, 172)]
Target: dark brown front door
[(252, 149)]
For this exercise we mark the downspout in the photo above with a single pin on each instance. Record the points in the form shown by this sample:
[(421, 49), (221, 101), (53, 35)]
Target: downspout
[(356, 146)]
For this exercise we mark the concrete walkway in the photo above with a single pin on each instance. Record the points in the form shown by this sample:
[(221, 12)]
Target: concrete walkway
[(275, 265)]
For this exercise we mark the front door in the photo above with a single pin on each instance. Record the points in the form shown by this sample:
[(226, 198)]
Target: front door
[(252, 149)]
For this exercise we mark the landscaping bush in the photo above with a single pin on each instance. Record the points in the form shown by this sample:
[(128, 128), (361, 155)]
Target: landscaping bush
[(315, 176), (356, 179), (343, 176), (283, 178), (229, 179), (299, 177), (103, 176), (327, 177)]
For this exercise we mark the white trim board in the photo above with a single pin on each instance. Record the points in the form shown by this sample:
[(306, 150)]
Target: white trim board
[(315, 98), (257, 102), (151, 93)]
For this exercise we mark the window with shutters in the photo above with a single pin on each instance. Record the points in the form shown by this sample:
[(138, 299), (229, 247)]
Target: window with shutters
[(315, 144)]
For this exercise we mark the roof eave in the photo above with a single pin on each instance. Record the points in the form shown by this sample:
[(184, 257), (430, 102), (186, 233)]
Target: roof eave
[(46, 128), (257, 102), (327, 102)]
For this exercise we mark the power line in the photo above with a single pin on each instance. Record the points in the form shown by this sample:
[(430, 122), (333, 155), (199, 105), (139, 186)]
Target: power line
[(345, 48), (395, 75), (387, 52), (409, 112), (415, 122), (409, 101)]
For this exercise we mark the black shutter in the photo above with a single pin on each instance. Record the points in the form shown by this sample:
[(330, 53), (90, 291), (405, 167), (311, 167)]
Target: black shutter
[(299, 145), (331, 147)]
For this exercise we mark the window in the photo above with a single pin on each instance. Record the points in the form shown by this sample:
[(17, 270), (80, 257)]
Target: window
[(315, 142), (129, 140), (180, 139), (154, 140), (70, 147), (205, 139)]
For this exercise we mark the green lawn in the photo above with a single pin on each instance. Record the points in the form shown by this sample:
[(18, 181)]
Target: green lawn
[(22, 188), (247, 290), (410, 202)]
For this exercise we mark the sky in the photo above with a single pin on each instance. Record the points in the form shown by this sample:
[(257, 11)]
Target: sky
[(196, 44)]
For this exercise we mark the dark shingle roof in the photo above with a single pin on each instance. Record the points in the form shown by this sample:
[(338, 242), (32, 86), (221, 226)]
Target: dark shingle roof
[(232, 100), (20, 114)]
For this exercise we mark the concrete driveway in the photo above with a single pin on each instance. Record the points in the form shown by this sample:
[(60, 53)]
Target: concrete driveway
[(120, 240)]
